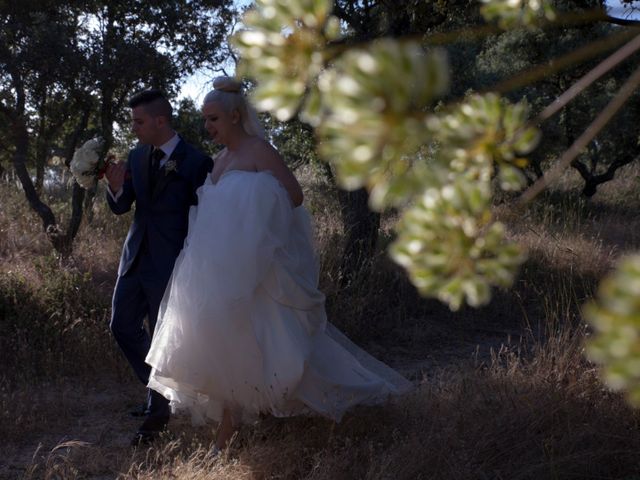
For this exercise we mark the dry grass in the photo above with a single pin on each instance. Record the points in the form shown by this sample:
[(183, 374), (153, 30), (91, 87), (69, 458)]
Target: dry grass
[(509, 418), (502, 392)]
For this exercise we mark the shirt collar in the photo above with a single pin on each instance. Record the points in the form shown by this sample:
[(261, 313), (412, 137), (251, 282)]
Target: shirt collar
[(170, 146)]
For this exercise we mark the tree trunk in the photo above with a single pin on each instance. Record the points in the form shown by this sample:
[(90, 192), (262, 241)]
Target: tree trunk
[(74, 139), (21, 137), (78, 193), (106, 123), (60, 241), (77, 198), (88, 204), (41, 147), (591, 181), (39, 184), (361, 227), (45, 213)]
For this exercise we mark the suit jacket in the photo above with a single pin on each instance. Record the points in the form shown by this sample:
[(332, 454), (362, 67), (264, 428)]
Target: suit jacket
[(161, 217)]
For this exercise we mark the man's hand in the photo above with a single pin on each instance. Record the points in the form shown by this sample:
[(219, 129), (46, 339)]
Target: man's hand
[(115, 175)]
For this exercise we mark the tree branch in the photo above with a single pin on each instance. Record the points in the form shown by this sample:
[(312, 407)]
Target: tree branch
[(577, 88), (621, 21), (341, 12), (589, 134), (575, 57)]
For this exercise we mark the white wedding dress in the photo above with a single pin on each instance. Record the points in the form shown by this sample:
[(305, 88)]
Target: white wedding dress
[(242, 324)]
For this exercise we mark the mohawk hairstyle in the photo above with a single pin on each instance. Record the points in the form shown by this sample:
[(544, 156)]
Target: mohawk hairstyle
[(153, 101)]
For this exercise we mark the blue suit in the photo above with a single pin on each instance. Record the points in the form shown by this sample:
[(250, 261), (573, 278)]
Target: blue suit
[(156, 236)]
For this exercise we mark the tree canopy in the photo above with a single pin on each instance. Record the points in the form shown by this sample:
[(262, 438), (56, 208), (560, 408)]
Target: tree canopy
[(67, 70)]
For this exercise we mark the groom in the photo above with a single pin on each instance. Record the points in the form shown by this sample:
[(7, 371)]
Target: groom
[(161, 176)]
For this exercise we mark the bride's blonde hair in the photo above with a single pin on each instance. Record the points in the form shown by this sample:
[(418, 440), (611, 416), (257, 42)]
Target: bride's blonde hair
[(228, 92)]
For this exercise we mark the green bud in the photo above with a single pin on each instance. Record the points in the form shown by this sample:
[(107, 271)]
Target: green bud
[(615, 317)]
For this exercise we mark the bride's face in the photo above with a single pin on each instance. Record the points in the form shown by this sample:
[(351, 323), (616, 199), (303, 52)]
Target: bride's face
[(218, 122)]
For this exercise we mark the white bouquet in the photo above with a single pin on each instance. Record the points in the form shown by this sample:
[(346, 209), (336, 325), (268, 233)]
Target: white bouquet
[(86, 165)]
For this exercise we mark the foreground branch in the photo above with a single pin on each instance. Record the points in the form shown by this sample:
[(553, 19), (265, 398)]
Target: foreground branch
[(589, 134)]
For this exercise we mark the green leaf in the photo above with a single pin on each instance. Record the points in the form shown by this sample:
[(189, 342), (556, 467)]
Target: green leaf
[(372, 121), (615, 317), (282, 49), (449, 249), (512, 13)]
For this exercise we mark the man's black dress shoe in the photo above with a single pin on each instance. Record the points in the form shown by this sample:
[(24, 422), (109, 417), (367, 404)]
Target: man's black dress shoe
[(150, 430)]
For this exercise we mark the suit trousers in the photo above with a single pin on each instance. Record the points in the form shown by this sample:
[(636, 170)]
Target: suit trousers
[(137, 295)]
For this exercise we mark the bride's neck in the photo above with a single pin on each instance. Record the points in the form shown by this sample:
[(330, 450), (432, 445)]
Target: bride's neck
[(237, 140)]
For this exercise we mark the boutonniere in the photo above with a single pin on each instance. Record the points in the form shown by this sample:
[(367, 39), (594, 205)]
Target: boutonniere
[(170, 166)]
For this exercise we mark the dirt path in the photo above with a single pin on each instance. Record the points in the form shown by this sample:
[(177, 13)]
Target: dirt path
[(77, 415)]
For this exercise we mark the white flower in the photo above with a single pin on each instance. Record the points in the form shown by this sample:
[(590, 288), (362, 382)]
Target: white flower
[(170, 166), (85, 163)]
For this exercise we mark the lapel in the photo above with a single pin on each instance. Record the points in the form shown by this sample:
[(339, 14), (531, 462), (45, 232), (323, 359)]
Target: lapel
[(164, 177), (145, 164)]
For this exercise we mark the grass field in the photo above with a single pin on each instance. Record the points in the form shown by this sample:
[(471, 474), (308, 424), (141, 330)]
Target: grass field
[(502, 392)]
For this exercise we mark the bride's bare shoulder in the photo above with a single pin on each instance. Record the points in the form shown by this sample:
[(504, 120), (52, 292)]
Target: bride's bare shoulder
[(257, 144), (262, 152)]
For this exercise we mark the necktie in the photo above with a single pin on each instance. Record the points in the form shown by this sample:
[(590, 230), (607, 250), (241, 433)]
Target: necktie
[(156, 156)]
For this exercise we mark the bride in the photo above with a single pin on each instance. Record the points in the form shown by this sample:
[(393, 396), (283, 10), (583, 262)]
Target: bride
[(242, 328)]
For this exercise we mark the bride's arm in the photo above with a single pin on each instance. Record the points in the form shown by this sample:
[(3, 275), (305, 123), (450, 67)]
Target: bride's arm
[(271, 160)]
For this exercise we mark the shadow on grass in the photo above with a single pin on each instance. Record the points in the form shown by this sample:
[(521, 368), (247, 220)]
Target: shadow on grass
[(509, 419)]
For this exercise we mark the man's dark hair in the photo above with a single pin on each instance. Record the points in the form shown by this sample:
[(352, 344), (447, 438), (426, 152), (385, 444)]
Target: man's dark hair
[(154, 102)]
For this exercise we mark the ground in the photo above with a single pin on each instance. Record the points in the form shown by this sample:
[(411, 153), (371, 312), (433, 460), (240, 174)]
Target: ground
[(90, 420)]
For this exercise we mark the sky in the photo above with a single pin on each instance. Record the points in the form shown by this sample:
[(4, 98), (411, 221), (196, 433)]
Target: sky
[(617, 10), (196, 86)]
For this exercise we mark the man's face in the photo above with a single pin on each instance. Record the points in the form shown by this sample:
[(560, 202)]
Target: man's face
[(144, 126)]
